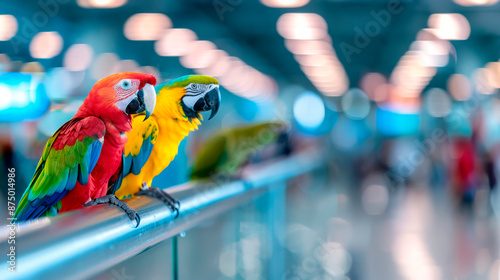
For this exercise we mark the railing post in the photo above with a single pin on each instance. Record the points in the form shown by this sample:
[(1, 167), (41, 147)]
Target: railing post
[(276, 231), (175, 259)]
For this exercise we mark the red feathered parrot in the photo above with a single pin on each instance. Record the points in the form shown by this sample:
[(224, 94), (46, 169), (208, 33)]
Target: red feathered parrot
[(82, 155)]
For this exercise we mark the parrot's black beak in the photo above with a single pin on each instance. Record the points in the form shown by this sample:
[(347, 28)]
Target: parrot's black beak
[(145, 101), (192, 105), (209, 101)]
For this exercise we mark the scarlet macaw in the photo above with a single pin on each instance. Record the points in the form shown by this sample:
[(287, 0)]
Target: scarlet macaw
[(82, 155)]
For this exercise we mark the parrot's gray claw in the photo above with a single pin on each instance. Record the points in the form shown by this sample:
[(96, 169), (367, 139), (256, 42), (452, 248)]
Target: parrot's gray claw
[(111, 199), (171, 202)]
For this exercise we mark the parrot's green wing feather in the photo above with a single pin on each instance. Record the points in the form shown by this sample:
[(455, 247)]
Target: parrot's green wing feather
[(70, 155), (212, 155), (227, 151), (138, 148)]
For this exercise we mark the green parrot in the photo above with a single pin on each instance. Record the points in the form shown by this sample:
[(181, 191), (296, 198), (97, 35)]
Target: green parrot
[(228, 150)]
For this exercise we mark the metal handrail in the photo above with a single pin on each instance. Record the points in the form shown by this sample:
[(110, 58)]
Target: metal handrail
[(86, 242)]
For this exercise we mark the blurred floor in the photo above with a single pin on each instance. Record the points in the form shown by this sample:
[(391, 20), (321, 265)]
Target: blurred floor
[(332, 230), (426, 238), (412, 233)]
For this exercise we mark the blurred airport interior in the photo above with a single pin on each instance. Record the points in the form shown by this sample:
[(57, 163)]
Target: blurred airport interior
[(401, 96)]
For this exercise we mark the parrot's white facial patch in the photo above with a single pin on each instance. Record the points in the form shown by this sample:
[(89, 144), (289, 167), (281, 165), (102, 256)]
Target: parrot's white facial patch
[(126, 87), (122, 104), (194, 91)]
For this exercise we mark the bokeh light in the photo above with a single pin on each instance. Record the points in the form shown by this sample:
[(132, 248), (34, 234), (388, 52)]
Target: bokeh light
[(32, 67), (449, 26), (338, 261), (101, 4), (285, 3), (174, 42), (416, 68), (370, 82), (4, 63), (103, 65), (199, 54), (494, 272), (126, 65), (483, 81), (309, 110), (78, 57), (413, 258), (8, 27), (468, 3), (493, 74), (308, 47), (59, 83), (355, 104), (459, 87), (46, 45), (227, 263), (307, 38), (7, 97), (302, 26), (375, 199), (146, 26), (432, 53), (219, 65), (438, 103), (23, 97)]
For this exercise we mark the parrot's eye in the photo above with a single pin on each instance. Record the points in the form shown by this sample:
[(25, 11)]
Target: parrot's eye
[(194, 86), (126, 84)]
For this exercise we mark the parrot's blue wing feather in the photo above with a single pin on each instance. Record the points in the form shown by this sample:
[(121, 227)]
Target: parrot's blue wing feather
[(94, 155), (137, 150), (140, 160), (140, 144), (127, 164)]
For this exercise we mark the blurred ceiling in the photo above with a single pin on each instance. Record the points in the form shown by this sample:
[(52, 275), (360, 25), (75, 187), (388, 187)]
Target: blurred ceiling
[(247, 29)]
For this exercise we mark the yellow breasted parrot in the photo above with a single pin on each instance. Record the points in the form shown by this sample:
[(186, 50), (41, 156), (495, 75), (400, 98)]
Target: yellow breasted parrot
[(224, 153), (153, 143), (82, 155)]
